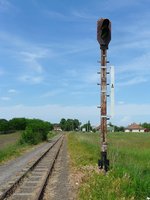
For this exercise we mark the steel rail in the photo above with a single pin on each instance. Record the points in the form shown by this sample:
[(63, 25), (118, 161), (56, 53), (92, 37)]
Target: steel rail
[(20, 180)]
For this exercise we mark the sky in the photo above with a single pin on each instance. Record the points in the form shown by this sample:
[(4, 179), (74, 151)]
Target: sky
[(49, 59)]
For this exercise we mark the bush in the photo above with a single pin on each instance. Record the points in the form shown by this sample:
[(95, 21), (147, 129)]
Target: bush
[(29, 136), (36, 131)]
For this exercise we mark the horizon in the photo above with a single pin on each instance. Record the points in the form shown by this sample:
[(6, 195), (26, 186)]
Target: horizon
[(49, 54)]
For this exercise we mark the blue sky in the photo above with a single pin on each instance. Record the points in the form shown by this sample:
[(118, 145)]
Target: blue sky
[(49, 54)]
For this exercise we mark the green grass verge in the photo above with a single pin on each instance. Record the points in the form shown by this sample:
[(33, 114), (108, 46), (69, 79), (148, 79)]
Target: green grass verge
[(13, 151), (128, 177), (7, 139), (52, 134), (10, 147)]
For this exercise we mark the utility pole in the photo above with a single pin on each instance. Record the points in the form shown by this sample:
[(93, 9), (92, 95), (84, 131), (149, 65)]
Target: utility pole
[(103, 37), (104, 162)]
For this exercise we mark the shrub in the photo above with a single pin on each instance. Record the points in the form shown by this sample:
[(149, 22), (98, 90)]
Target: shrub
[(36, 131), (29, 136)]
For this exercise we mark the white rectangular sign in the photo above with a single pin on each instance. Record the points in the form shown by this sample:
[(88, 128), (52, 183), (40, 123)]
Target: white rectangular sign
[(112, 98)]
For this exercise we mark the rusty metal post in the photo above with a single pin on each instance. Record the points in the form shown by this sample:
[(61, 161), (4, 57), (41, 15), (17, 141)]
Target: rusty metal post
[(103, 163)]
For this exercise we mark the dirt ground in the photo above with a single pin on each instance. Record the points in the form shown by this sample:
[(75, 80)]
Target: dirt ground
[(6, 139), (58, 185)]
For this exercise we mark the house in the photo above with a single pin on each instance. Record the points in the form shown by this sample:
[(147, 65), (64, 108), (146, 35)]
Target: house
[(109, 128), (134, 128), (57, 127)]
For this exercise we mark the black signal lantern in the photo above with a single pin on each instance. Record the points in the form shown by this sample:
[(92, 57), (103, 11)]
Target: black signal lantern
[(103, 32)]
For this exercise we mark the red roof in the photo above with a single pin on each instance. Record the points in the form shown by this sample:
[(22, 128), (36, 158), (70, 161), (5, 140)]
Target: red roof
[(135, 126)]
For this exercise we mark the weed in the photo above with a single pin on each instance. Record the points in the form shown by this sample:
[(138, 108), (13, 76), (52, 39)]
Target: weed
[(128, 177)]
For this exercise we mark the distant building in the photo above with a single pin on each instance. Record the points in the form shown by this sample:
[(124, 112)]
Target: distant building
[(57, 127), (83, 129), (109, 128), (98, 128), (134, 128)]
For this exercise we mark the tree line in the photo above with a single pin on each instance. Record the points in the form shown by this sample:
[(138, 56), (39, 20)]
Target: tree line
[(70, 124), (74, 125), (33, 130), (17, 124), (146, 126), (122, 128)]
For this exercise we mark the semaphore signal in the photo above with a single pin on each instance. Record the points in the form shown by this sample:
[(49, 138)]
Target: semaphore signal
[(103, 37)]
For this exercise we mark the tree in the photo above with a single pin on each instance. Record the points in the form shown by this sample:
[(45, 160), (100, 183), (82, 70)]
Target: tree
[(118, 128), (36, 131), (76, 124), (18, 124), (69, 124), (62, 124), (4, 126), (87, 126), (146, 126)]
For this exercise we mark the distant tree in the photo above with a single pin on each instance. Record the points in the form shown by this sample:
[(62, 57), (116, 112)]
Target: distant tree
[(87, 126), (36, 131), (17, 124), (110, 124), (119, 128), (63, 124), (4, 126), (146, 126), (69, 124), (76, 124)]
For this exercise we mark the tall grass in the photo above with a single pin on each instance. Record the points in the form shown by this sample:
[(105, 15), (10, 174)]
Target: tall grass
[(11, 145), (12, 151), (128, 177)]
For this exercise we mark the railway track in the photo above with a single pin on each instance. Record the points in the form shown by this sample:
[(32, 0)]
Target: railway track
[(32, 183)]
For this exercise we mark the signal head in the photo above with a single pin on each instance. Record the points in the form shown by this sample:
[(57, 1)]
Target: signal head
[(103, 32)]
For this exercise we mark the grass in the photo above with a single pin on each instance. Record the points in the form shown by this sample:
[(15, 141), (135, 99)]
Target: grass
[(10, 147), (128, 177), (13, 151), (7, 139), (52, 134)]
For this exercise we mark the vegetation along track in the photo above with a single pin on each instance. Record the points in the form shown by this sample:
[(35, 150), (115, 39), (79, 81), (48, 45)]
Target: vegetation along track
[(32, 183)]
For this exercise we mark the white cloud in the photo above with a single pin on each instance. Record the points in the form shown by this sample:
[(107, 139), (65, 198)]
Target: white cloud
[(52, 113), (133, 109), (111, 5), (31, 79), (32, 62), (53, 93), (128, 113), (55, 15), (29, 54), (121, 102), (1, 72), (134, 72), (5, 98), (71, 72), (124, 113), (84, 15), (32, 58), (92, 77), (12, 91), (133, 81), (70, 16)]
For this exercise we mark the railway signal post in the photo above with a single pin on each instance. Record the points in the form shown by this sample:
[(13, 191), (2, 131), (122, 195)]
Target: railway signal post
[(103, 37)]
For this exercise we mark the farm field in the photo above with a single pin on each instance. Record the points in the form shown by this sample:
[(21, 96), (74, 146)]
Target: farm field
[(10, 147), (128, 177), (7, 139)]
